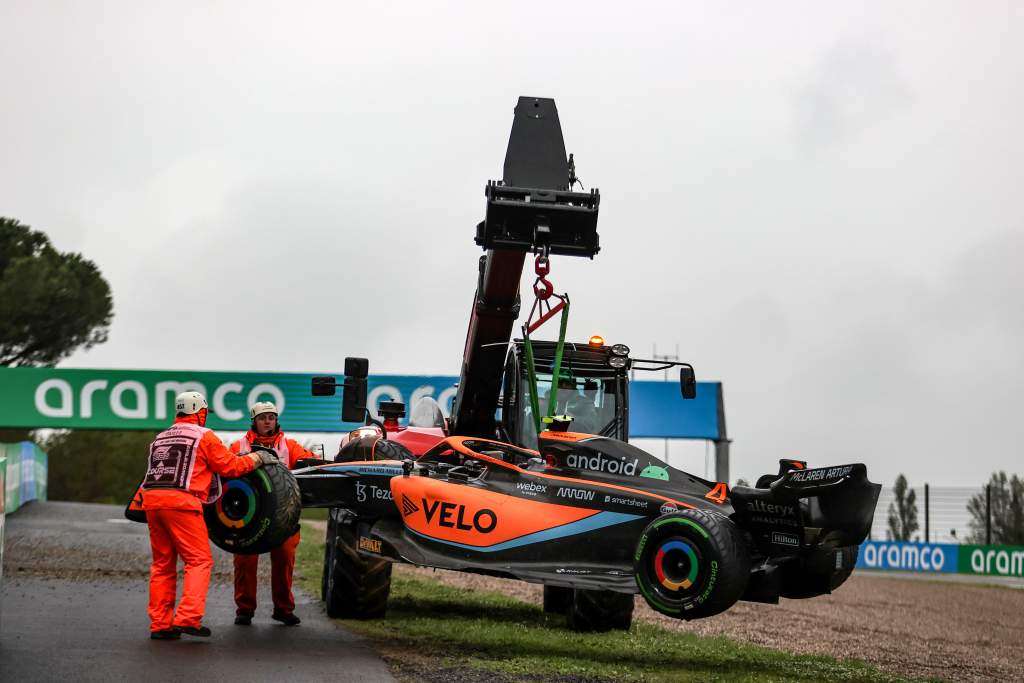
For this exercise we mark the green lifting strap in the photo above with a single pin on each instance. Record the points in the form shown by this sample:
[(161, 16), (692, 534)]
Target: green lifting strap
[(556, 371)]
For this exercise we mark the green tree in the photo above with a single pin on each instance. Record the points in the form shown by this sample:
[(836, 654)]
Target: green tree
[(96, 466), (902, 511), (1007, 496), (51, 303)]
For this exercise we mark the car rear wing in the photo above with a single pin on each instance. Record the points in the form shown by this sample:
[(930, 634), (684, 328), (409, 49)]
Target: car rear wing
[(827, 506)]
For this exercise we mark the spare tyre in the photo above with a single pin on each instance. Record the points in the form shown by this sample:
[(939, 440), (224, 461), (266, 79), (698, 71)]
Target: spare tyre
[(256, 512), (691, 564)]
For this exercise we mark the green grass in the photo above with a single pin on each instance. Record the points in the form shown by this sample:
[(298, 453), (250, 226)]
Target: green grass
[(490, 632)]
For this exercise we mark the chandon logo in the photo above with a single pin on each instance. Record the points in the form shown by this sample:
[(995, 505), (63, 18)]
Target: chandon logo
[(599, 463), (484, 520)]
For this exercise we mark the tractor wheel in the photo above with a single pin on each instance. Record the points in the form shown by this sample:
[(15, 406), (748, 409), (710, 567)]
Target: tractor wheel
[(357, 585), (256, 513), (691, 564), (593, 610), (327, 556), (819, 573), (557, 599)]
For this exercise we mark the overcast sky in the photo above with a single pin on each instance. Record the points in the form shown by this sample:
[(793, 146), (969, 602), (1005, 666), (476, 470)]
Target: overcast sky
[(819, 202)]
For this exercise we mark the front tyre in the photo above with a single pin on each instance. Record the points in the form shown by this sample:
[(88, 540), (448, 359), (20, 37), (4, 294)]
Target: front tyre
[(691, 564)]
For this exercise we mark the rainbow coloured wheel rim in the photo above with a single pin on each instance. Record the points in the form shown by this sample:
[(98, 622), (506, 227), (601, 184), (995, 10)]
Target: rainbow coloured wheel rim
[(236, 507), (676, 565)]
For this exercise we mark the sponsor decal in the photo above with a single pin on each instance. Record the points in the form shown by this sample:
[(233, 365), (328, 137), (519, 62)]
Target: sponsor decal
[(774, 521), (771, 508), (600, 463), (366, 492), (992, 560), (634, 502), (564, 570), (655, 472), (408, 507), (370, 544), (454, 516), (920, 557), (575, 494), (668, 507), (530, 488), (780, 538), (822, 474)]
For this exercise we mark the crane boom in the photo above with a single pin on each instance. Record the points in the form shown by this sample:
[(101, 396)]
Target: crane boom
[(531, 209)]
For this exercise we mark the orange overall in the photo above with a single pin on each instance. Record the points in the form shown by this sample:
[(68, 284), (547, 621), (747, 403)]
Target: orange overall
[(282, 558), (182, 461)]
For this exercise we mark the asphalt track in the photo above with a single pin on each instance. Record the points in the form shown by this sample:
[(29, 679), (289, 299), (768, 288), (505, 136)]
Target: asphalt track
[(74, 609)]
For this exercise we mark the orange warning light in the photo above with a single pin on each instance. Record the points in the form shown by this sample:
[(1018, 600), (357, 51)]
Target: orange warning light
[(597, 340)]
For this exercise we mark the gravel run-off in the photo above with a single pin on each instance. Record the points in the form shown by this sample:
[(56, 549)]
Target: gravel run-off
[(915, 628)]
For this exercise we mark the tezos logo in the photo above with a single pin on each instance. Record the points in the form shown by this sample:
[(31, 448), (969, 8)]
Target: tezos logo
[(376, 492), (599, 463), (484, 520)]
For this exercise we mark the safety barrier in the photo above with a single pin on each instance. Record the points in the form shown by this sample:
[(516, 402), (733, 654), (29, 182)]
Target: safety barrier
[(25, 474), (986, 560)]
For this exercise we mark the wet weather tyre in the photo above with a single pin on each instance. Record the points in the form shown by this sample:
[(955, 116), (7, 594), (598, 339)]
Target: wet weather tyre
[(357, 585), (593, 610), (557, 599), (256, 513), (691, 564), (819, 573)]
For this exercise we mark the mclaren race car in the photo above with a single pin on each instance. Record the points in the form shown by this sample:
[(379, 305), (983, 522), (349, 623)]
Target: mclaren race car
[(594, 519)]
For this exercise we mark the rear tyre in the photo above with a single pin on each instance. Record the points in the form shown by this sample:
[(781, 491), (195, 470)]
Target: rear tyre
[(328, 546), (593, 610), (357, 586), (256, 513), (557, 599), (691, 564), (819, 573)]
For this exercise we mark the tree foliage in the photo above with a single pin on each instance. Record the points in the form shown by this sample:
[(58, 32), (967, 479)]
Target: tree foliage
[(51, 303), (95, 466), (902, 511), (1007, 511)]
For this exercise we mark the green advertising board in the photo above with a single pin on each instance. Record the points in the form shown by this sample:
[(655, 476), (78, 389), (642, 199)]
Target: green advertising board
[(63, 398), (991, 560)]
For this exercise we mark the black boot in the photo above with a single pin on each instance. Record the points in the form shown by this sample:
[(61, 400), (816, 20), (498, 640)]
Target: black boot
[(286, 619), (201, 631), (243, 619), (166, 634)]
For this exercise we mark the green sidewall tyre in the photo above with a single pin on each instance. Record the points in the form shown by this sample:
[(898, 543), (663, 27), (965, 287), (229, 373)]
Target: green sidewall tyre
[(257, 511), (691, 564)]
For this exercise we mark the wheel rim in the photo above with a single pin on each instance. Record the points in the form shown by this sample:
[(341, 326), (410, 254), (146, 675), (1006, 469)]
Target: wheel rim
[(237, 506), (675, 567)]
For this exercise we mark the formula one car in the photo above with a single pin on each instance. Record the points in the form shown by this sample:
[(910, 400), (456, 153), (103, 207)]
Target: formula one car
[(594, 518)]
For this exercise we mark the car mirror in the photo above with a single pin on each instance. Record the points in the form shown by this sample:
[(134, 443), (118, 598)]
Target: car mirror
[(687, 382), (353, 398)]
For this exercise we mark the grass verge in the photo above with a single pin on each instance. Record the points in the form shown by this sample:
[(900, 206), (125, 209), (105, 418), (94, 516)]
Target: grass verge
[(437, 632)]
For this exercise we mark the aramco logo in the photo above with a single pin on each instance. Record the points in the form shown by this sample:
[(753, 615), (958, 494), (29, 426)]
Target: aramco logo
[(56, 398), (906, 556)]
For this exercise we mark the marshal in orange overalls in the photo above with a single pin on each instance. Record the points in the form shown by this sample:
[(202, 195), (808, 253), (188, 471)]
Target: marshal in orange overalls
[(282, 558), (182, 461)]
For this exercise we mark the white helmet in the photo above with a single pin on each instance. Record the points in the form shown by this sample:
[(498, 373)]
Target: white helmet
[(189, 402), (262, 407)]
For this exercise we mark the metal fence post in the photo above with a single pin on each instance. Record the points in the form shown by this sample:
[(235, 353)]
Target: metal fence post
[(988, 514), (927, 519)]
